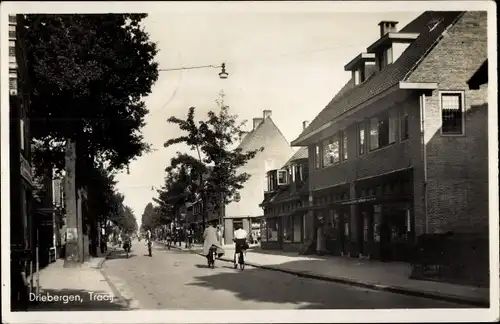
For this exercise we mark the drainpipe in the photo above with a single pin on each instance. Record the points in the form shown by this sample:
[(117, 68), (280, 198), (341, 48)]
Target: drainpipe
[(424, 152)]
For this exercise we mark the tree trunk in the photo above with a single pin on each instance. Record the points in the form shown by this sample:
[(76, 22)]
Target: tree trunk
[(73, 251)]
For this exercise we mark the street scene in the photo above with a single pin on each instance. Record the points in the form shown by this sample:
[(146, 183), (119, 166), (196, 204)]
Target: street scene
[(167, 162)]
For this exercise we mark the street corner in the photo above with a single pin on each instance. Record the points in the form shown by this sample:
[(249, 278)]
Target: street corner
[(75, 300)]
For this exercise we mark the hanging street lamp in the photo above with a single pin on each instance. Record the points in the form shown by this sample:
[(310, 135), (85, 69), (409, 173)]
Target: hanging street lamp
[(223, 74)]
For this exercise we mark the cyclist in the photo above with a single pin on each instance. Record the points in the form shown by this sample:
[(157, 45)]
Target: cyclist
[(240, 237), (149, 242)]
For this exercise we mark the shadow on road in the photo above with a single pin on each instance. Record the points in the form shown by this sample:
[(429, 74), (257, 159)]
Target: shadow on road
[(275, 287), (119, 254), (75, 300)]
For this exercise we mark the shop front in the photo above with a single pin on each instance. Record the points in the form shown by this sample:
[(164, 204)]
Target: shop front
[(284, 232), (384, 220)]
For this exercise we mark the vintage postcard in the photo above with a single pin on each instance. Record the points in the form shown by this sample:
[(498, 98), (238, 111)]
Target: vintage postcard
[(249, 162)]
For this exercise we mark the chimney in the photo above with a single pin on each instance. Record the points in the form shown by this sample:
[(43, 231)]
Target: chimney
[(305, 123), (267, 113), (256, 122), (387, 27)]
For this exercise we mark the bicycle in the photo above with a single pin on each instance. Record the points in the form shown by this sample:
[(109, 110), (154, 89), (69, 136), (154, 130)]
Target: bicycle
[(126, 247), (149, 249), (212, 255), (241, 261)]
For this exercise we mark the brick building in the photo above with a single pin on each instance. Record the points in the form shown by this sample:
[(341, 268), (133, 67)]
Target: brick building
[(402, 149), (285, 202), (276, 152)]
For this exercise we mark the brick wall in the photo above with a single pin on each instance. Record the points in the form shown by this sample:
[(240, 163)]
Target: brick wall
[(457, 165), (397, 156)]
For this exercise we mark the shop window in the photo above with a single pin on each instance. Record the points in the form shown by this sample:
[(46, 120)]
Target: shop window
[(377, 220), (263, 230), (297, 229), (287, 229), (272, 229)]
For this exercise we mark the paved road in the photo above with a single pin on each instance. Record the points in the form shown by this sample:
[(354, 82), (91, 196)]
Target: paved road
[(181, 280)]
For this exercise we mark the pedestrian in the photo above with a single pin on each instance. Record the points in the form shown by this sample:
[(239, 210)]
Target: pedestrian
[(219, 234), (329, 237), (320, 240)]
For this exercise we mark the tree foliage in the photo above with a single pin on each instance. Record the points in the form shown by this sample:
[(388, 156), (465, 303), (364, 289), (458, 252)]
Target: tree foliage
[(88, 76), (214, 169), (152, 217)]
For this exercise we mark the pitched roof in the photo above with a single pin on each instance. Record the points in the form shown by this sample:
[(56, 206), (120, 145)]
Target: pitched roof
[(266, 128), (350, 97), (302, 153)]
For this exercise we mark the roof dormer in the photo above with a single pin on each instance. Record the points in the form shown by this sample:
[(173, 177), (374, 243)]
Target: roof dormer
[(391, 44), (362, 66)]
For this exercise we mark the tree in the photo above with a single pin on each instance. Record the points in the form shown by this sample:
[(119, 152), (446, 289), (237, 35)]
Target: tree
[(216, 165), (89, 74)]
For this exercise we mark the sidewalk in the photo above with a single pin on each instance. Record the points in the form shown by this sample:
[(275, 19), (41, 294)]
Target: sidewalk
[(83, 288), (387, 276)]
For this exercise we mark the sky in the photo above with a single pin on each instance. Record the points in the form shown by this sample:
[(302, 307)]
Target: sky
[(291, 63)]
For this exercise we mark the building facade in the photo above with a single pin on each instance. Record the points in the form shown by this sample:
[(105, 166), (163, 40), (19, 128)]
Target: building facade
[(285, 204), (246, 210), (402, 149), (22, 227)]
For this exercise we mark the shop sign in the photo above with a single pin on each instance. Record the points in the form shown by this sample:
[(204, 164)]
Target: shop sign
[(358, 201), (26, 171)]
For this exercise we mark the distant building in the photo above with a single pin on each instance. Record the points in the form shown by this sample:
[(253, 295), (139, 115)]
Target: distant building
[(402, 150), (276, 152), (285, 204)]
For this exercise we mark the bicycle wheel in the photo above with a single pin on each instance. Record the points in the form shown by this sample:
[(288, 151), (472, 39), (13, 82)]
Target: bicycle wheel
[(242, 261)]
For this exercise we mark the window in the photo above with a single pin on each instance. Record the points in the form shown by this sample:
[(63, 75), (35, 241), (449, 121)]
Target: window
[(12, 51), (361, 139), (331, 151), (357, 77), (317, 157), (272, 230), (23, 136), (12, 19), (383, 130), (263, 230), (393, 126), (452, 114), (344, 146), (404, 127), (282, 177), (388, 56), (374, 133), (13, 86)]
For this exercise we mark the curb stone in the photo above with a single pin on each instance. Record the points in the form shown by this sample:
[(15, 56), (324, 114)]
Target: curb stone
[(129, 303)]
